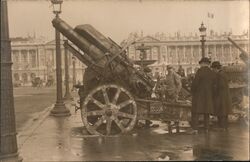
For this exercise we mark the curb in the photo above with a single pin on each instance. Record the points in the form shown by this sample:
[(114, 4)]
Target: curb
[(32, 125)]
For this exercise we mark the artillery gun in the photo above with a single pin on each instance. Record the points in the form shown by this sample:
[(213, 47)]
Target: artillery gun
[(115, 94), (238, 83), (238, 76), (243, 55)]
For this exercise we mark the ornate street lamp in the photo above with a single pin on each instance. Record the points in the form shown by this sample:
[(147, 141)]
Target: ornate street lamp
[(8, 141), (202, 30), (57, 6), (59, 108)]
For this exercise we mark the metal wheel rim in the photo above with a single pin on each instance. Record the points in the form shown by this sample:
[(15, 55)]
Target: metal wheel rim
[(110, 112)]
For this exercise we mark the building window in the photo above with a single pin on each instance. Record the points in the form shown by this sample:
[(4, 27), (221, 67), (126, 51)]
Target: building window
[(42, 58), (188, 56), (33, 58), (24, 77), (163, 50), (170, 54), (196, 54), (15, 56), (234, 52), (24, 56), (218, 52), (227, 53), (155, 53), (211, 51), (180, 55), (16, 77), (148, 57), (50, 56), (137, 54)]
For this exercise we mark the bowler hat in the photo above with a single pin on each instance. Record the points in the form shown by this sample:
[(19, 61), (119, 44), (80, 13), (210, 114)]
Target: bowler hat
[(205, 60), (216, 64), (169, 67)]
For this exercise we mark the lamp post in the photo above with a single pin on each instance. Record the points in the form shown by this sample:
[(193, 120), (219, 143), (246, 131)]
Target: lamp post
[(8, 141), (202, 30), (67, 95), (74, 70), (59, 108)]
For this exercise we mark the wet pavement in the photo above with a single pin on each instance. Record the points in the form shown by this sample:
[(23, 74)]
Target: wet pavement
[(30, 102), (64, 139)]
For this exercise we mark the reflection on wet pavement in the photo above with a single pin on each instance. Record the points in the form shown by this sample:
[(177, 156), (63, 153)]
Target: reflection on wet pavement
[(202, 152), (64, 139)]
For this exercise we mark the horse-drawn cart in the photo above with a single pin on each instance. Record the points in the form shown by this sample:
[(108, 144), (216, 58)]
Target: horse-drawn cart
[(116, 95)]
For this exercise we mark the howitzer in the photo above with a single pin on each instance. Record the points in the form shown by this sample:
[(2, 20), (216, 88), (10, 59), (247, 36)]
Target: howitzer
[(238, 80), (115, 94), (103, 55), (243, 55)]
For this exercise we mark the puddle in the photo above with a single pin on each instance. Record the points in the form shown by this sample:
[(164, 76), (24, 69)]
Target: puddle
[(206, 153)]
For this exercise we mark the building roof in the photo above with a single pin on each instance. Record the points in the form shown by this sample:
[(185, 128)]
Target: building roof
[(27, 40), (178, 37)]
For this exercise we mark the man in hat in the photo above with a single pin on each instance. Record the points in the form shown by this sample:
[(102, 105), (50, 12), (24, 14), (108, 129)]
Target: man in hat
[(181, 71), (222, 100), (203, 89), (172, 85)]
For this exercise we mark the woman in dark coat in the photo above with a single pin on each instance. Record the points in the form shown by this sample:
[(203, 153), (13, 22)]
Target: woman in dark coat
[(223, 102), (203, 89)]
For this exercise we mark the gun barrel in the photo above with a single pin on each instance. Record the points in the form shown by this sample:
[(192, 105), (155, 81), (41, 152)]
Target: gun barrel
[(100, 41), (95, 46), (243, 55), (236, 45), (79, 41)]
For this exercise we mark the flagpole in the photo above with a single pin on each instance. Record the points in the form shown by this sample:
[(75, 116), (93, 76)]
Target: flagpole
[(208, 27)]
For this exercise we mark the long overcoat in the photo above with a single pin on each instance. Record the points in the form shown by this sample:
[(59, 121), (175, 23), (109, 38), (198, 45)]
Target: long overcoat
[(203, 91), (223, 101)]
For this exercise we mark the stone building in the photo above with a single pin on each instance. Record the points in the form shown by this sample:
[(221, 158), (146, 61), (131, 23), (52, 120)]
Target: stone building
[(33, 57), (186, 50)]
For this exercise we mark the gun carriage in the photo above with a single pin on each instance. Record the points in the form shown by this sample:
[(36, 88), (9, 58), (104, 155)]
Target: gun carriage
[(116, 95), (238, 83)]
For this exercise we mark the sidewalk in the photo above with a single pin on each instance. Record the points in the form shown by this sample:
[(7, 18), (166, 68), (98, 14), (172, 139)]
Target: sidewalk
[(49, 138), (63, 139)]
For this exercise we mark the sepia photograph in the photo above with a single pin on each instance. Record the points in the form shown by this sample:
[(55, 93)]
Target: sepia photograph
[(124, 80)]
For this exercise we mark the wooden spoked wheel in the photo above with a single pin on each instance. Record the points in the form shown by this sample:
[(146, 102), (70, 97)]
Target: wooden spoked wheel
[(109, 110)]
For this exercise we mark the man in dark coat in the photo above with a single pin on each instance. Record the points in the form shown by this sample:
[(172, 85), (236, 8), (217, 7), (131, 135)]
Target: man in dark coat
[(203, 89), (222, 102)]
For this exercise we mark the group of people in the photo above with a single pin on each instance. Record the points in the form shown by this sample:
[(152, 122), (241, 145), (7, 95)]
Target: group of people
[(210, 95), (209, 90)]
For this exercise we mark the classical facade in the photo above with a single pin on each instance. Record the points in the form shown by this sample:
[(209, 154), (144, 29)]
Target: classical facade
[(34, 57), (186, 50)]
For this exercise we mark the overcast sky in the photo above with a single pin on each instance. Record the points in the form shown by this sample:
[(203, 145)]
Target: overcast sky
[(117, 18)]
